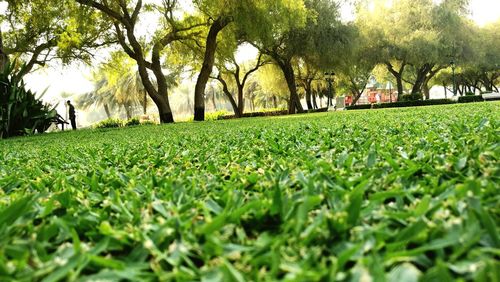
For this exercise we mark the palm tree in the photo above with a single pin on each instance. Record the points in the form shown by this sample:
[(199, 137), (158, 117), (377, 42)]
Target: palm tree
[(100, 96)]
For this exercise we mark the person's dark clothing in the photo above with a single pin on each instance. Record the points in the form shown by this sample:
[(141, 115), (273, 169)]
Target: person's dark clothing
[(72, 116)]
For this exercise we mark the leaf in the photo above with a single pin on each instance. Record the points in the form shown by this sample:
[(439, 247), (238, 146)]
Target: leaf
[(61, 272), (405, 272), (234, 274), (355, 202), (16, 210)]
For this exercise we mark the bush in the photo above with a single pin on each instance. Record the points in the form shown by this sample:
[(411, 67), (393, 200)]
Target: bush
[(216, 115), (470, 99), (403, 104), (133, 122), (470, 94), (418, 103), (320, 110), (21, 112), (109, 123), (411, 97), (359, 107), (148, 122), (263, 113)]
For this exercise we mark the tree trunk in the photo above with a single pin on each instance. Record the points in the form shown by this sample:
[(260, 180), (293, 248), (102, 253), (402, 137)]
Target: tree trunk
[(145, 103), (230, 97), (294, 104), (355, 90), (164, 111), (445, 92), (308, 94), (159, 97), (356, 97), (241, 99), (421, 79), (398, 75), (128, 110), (106, 109), (213, 100), (275, 102), (426, 91), (315, 104), (236, 110), (4, 58), (206, 69)]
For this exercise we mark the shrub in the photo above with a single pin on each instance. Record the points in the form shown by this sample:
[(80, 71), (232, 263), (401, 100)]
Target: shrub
[(403, 104), (470, 99), (216, 115), (21, 112), (263, 113), (321, 110), (411, 97), (418, 103), (148, 122), (470, 94), (360, 107), (133, 122), (109, 123)]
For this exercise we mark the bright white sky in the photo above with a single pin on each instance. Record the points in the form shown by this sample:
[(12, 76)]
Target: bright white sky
[(74, 79)]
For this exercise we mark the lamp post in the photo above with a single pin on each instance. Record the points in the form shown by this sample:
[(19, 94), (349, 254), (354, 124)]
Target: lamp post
[(329, 78), (452, 63)]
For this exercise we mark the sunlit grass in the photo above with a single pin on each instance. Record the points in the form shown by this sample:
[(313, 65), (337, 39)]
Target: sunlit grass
[(317, 197)]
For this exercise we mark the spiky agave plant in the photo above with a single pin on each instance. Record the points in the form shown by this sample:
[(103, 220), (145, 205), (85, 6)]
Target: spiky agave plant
[(21, 112)]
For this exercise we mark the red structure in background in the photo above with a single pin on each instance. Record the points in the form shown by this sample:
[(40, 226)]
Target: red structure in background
[(370, 96)]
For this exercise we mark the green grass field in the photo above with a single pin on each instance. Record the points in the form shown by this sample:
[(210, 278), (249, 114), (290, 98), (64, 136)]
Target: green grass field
[(378, 195)]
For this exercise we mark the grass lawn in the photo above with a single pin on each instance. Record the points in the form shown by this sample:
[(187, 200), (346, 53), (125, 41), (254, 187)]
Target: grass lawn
[(388, 195)]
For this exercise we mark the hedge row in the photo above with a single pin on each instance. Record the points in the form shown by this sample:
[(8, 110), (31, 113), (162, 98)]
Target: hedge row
[(403, 104), (258, 114), (470, 99), (400, 104)]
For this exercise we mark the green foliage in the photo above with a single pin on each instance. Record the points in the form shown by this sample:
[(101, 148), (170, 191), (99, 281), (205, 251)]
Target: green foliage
[(411, 97), (21, 112), (415, 103), (109, 123), (360, 107), (389, 195), (148, 122), (216, 115), (132, 122), (403, 104), (115, 123), (40, 31), (470, 99)]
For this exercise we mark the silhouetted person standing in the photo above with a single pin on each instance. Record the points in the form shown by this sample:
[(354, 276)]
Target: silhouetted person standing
[(72, 116)]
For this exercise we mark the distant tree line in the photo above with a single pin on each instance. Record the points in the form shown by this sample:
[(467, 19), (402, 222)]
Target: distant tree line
[(415, 45)]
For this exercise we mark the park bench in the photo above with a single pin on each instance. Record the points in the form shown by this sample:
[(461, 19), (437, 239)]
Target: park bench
[(58, 120)]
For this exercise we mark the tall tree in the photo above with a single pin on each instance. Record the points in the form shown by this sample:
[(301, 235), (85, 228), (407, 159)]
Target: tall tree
[(36, 32), (415, 39), (172, 26), (238, 75), (309, 29), (208, 62), (307, 74), (4, 57), (116, 85)]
